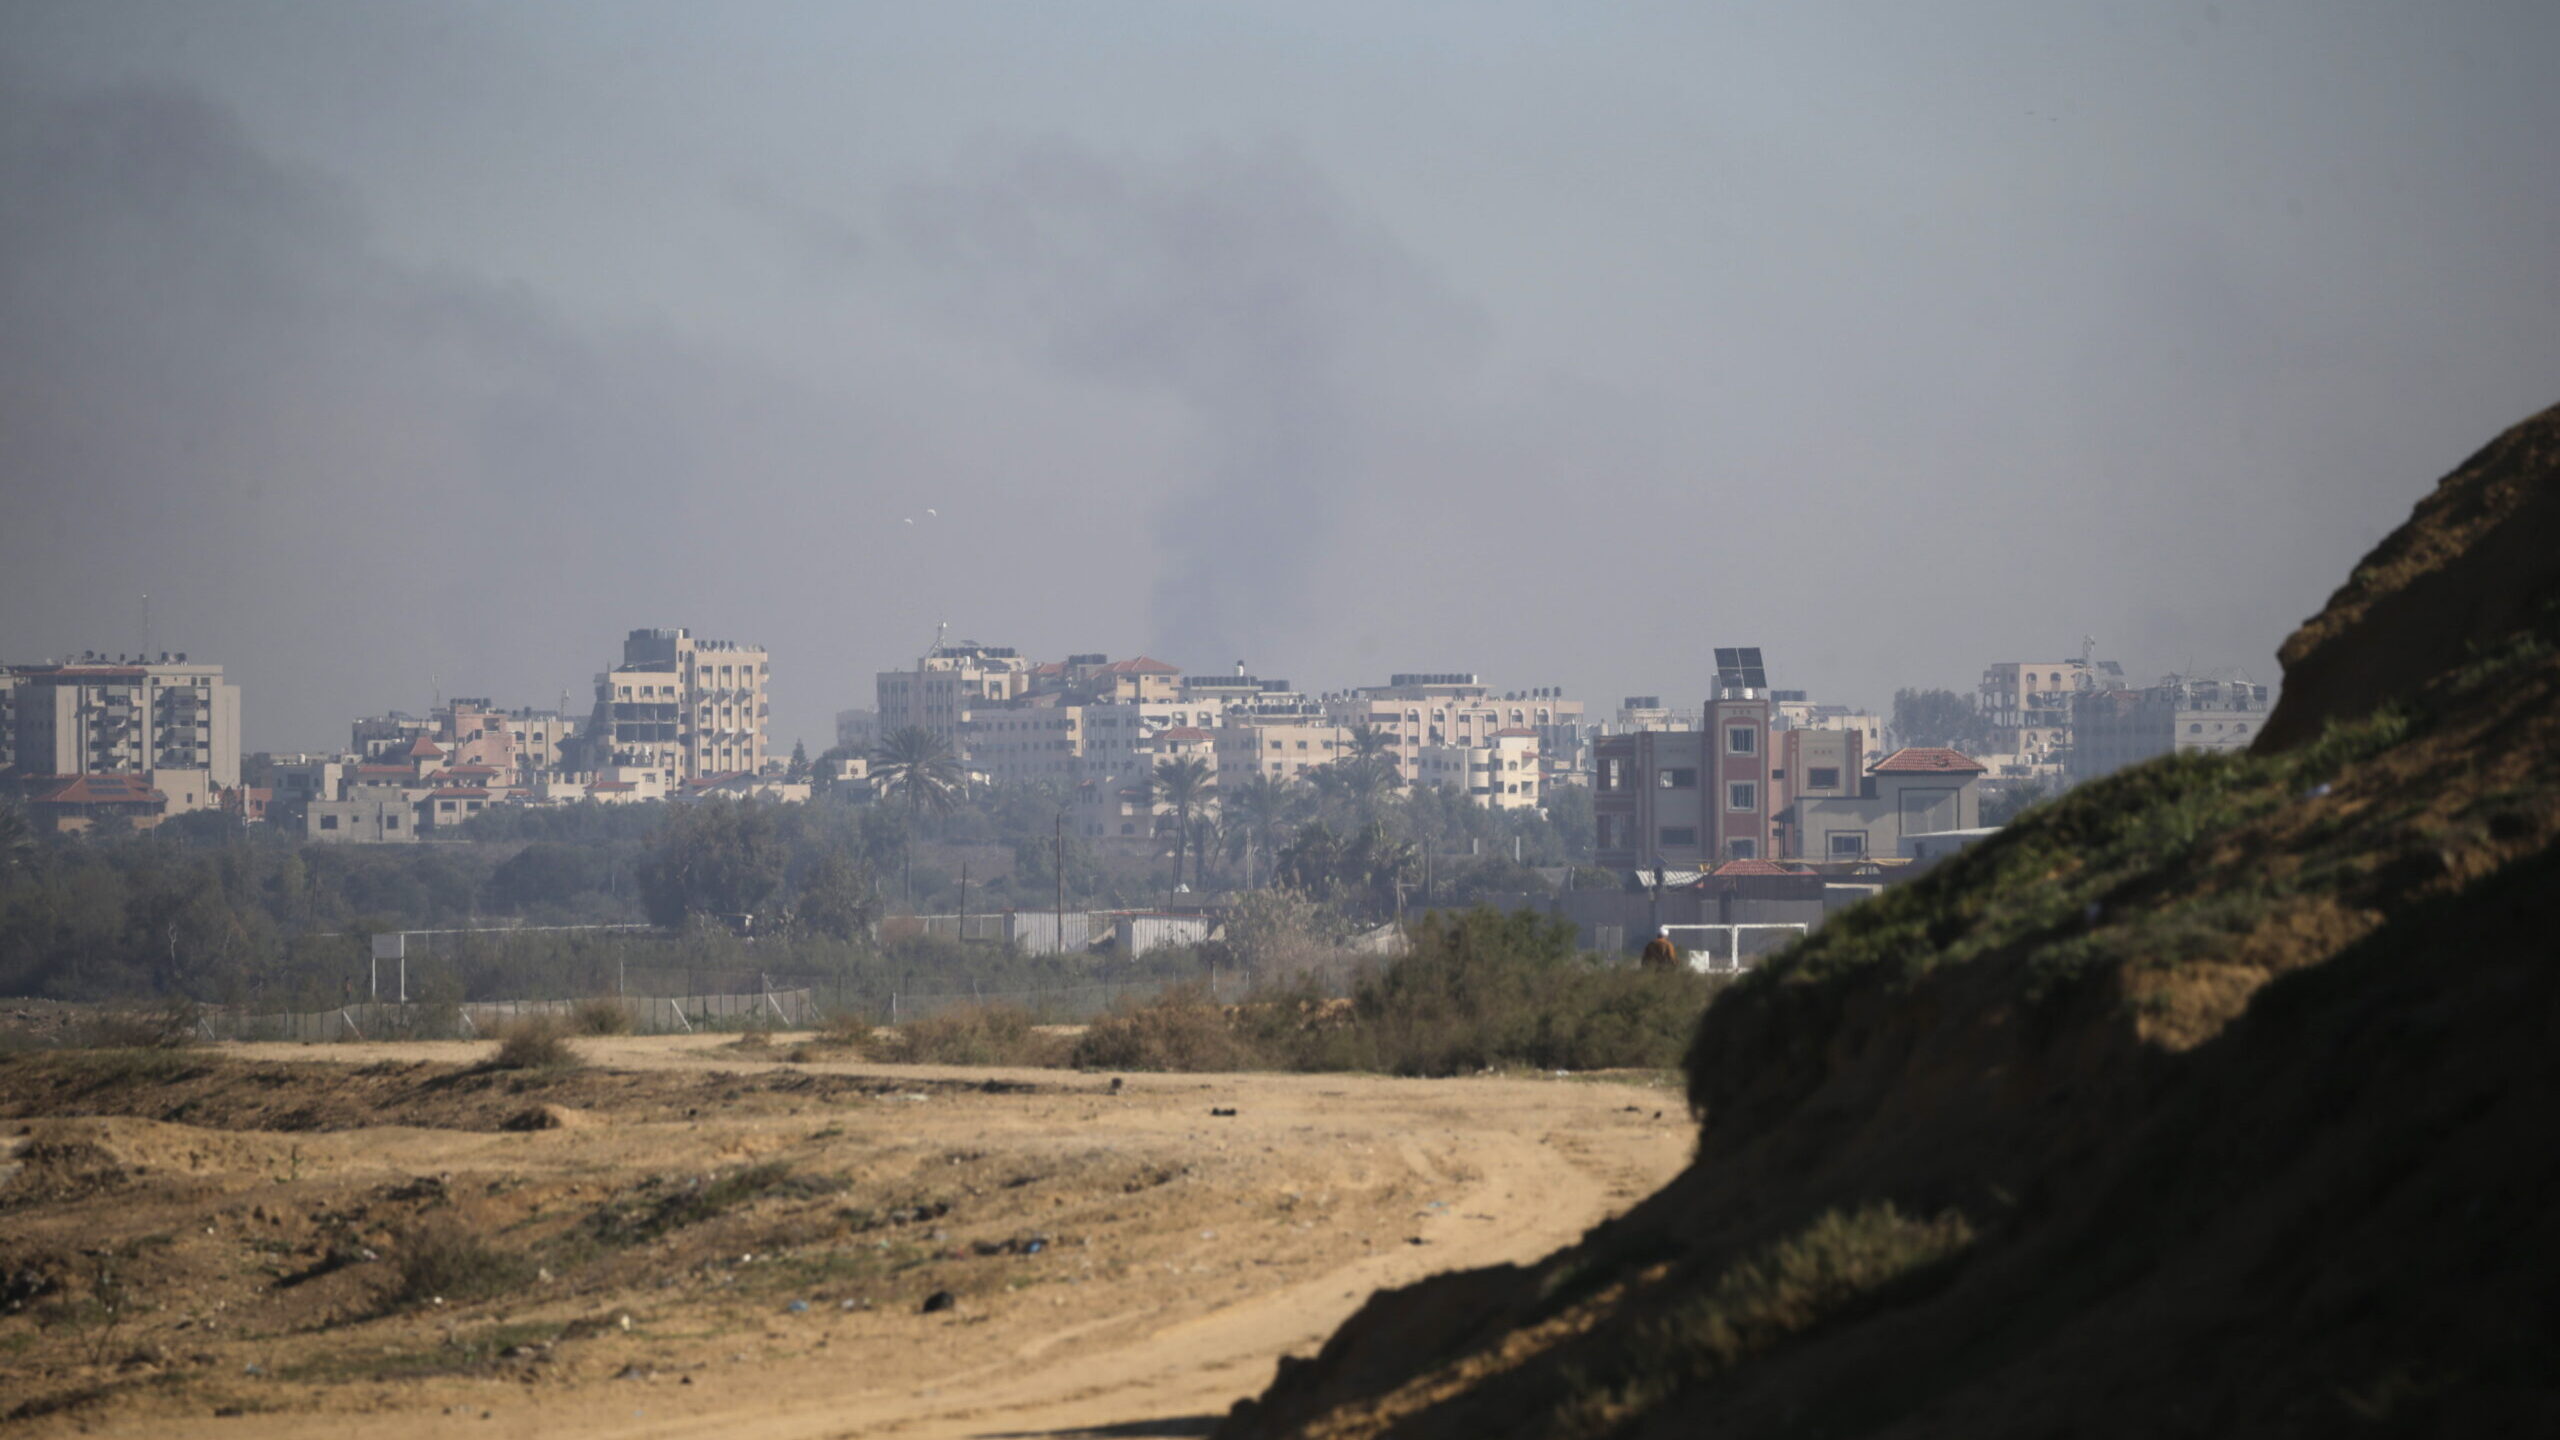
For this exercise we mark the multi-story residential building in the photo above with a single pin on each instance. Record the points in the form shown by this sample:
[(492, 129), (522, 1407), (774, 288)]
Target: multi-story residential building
[(8, 721), (1418, 710), (857, 730), (679, 707), (1817, 765), (541, 739), (1913, 791), (1027, 740), (2026, 707), (2115, 728), (1283, 750), (171, 722), (1687, 799), (947, 682), (1647, 712), (375, 736), (1501, 774), (1795, 712)]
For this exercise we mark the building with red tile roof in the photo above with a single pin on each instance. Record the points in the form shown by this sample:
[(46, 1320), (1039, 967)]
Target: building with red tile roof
[(1927, 760), (68, 804)]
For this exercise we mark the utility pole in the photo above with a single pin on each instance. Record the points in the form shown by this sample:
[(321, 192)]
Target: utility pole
[(964, 902)]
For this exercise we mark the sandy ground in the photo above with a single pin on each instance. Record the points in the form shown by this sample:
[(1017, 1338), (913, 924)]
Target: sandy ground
[(1123, 1261)]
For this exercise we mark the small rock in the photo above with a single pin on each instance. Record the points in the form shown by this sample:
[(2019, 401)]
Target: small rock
[(939, 1300)]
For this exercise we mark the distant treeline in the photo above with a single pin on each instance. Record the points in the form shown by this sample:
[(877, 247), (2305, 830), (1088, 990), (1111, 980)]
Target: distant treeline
[(204, 908)]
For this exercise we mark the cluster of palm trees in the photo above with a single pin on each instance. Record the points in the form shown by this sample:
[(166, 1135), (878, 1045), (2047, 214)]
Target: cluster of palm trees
[(1251, 817), (1247, 819)]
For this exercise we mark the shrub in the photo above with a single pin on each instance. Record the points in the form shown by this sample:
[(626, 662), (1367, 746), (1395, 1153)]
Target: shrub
[(974, 1035), (534, 1042), (445, 1260), (1182, 1029), (844, 1030), (602, 1015)]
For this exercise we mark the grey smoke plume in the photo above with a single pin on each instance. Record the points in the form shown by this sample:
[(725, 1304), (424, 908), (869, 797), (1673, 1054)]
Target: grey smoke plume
[(1244, 286)]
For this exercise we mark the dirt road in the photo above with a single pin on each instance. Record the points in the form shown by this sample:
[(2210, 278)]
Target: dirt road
[(1115, 1256)]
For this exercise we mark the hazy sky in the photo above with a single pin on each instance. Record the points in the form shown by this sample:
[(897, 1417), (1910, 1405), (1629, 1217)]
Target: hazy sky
[(390, 346)]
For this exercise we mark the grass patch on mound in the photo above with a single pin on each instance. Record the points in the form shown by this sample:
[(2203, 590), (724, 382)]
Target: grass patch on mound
[(1843, 1262)]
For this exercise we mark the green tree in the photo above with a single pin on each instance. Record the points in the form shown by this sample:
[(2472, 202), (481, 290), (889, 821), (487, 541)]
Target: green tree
[(1183, 782), (713, 857), (1361, 872), (915, 764), (799, 760), (2005, 804), (1260, 808), (834, 900), (1936, 717), (17, 840)]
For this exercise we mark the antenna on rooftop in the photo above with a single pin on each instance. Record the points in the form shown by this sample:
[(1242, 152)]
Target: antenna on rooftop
[(146, 627)]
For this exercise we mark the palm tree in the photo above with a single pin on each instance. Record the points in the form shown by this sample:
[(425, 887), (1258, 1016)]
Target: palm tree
[(1258, 805), (1184, 783), (917, 762), (1370, 743), (17, 839)]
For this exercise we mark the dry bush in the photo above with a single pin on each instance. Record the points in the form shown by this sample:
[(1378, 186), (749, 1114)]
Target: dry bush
[(1182, 1029), (974, 1035), (534, 1042), (446, 1260), (843, 1030), (602, 1015)]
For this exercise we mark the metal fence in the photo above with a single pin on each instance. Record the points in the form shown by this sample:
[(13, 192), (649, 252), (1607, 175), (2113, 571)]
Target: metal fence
[(421, 1020)]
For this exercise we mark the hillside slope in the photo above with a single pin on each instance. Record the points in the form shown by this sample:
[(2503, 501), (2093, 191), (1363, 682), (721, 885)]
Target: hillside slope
[(2214, 1097)]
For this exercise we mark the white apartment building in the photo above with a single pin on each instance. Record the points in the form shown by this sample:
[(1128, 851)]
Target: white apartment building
[(1500, 775), (947, 682), (1419, 710), (171, 721), (679, 708), (1284, 751)]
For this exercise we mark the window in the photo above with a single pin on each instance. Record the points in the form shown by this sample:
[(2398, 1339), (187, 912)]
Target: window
[(1676, 779), (1741, 740), (1823, 777), (328, 822), (1742, 795), (1675, 836), (1744, 849), (1611, 770), (389, 822), (1848, 844)]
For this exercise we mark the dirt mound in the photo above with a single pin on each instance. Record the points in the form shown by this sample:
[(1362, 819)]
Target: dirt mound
[(2211, 1098), (2477, 561)]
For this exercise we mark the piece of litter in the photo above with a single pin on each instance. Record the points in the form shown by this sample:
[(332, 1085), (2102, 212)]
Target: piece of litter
[(798, 1307)]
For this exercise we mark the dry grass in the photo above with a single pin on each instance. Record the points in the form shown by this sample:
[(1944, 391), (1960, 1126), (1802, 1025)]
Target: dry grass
[(602, 1015), (535, 1042), (974, 1035), (446, 1261)]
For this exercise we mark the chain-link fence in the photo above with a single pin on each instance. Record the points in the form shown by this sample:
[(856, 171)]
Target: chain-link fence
[(426, 1020)]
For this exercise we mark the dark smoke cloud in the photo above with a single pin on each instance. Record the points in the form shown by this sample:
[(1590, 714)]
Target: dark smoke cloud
[(349, 479), (1243, 285)]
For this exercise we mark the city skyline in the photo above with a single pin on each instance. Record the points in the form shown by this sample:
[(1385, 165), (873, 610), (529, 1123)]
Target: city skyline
[(397, 350)]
